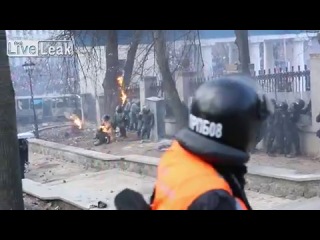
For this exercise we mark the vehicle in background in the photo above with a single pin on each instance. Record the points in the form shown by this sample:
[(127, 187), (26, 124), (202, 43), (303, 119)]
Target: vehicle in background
[(48, 107), (26, 135)]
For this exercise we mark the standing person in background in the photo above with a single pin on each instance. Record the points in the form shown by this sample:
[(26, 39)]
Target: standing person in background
[(281, 133), (134, 112), (147, 122), (292, 131), (318, 121), (120, 121), (126, 111), (139, 126), (271, 129)]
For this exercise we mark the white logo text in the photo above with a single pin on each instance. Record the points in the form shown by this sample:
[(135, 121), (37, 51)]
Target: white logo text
[(205, 127), (33, 48)]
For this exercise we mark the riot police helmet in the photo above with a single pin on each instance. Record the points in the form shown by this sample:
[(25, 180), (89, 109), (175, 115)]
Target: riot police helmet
[(225, 118), (145, 109), (283, 106), (294, 106), (119, 109), (301, 104)]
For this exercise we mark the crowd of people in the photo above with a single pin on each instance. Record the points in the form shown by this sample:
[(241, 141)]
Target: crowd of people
[(128, 117), (281, 132)]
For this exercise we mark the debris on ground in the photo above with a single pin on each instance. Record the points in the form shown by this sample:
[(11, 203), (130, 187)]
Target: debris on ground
[(100, 205)]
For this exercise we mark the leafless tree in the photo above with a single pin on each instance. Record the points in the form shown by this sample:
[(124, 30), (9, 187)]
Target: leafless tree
[(242, 42), (140, 58), (10, 175), (167, 78), (112, 68)]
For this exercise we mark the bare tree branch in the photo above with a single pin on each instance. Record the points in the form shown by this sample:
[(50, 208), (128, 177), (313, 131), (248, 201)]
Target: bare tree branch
[(168, 81)]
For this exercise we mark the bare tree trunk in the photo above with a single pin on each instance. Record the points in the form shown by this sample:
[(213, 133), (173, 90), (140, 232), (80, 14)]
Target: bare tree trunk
[(168, 81), (242, 42), (110, 86), (131, 56), (11, 197)]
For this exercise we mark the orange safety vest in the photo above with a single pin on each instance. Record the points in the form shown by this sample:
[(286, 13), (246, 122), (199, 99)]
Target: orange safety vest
[(183, 177)]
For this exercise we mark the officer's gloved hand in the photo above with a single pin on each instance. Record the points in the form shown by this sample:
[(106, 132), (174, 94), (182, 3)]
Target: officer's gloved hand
[(130, 200)]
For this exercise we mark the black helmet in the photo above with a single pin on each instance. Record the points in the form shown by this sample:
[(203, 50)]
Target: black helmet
[(106, 117), (294, 106), (283, 106), (300, 104), (119, 109), (225, 119), (145, 109)]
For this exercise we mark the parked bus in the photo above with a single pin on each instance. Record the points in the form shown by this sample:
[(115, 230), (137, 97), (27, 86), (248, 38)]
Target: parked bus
[(48, 107)]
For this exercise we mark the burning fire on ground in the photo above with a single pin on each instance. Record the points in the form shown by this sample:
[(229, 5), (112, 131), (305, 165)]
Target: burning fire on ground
[(123, 95), (76, 121)]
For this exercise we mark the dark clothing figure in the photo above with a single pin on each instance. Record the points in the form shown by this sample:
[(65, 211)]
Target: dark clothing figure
[(282, 131), (271, 133), (147, 123), (134, 112), (270, 125), (307, 109), (126, 111), (276, 138), (139, 124), (293, 138), (101, 137), (23, 153), (120, 121), (318, 120)]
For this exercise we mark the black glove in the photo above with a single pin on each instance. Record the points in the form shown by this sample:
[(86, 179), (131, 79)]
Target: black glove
[(130, 200)]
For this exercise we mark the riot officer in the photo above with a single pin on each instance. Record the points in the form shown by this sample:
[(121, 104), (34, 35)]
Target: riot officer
[(147, 122), (271, 129), (139, 126), (205, 167), (134, 111), (318, 121), (300, 104), (126, 111), (292, 132), (307, 109), (120, 121), (281, 120)]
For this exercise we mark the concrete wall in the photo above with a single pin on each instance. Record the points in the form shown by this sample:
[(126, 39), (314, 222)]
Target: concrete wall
[(268, 180)]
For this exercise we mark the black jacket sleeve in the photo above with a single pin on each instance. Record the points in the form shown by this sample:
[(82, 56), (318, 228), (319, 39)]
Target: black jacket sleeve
[(214, 200), (318, 118)]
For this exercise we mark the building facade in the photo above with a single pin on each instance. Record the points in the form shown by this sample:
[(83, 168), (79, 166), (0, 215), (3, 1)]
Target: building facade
[(208, 56)]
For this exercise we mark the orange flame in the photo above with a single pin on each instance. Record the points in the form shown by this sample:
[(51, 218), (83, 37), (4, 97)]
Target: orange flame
[(104, 129), (123, 94), (76, 120)]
